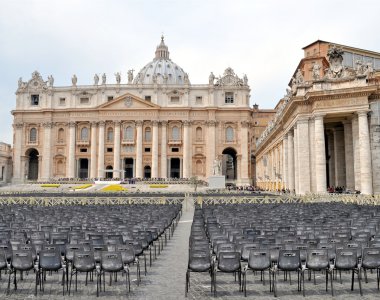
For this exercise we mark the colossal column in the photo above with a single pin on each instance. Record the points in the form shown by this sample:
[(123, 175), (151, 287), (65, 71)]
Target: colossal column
[(349, 155), (365, 154), (101, 150), (290, 161), (186, 149), (164, 166), (340, 171), (155, 149), (355, 139), (303, 156), (71, 160), (296, 165), (116, 157), (139, 170), (285, 161), (331, 153), (320, 155), (46, 154), (312, 155), (93, 170), (210, 145), (17, 152), (244, 152)]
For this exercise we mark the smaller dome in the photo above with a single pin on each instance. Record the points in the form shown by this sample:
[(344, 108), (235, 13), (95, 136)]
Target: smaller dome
[(162, 70)]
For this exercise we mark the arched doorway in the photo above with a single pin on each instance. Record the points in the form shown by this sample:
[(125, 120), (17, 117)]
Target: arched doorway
[(83, 168), (175, 168), (109, 174), (32, 155), (229, 164), (128, 167), (147, 172)]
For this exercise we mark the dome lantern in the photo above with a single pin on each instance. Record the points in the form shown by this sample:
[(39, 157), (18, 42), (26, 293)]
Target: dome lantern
[(162, 50)]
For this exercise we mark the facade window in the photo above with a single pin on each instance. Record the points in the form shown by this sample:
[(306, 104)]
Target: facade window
[(175, 133), (229, 97), (198, 100), (109, 149), (84, 100), (61, 135), (199, 134), (175, 149), (84, 134), (174, 99), (148, 98), (109, 98), (147, 150), (110, 134), (229, 134), (33, 135), (34, 99), (148, 134), (128, 133), (62, 101), (83, 149)]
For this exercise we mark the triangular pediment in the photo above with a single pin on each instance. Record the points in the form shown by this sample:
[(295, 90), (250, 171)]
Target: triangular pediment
[(128, 101)]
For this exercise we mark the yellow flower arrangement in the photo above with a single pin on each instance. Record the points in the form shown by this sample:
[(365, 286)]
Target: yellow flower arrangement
[(50, 185), (83, 186), (114, 188), (158, 186)]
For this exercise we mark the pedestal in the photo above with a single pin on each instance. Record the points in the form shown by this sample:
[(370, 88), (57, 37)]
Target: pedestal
[(217, 182)]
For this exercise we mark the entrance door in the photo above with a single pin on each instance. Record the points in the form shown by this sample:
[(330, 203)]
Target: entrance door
[(109, 172), (128, 169), (175, 168), (83, 168), (147, 172), (33, 165), (229, 167)]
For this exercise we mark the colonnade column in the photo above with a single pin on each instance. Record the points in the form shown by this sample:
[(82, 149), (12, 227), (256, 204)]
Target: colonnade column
[(285, 161), (365, 154), (331, 154), (155, 149), (139, 173), (244, 152), (340, 171), (71, 159), (296, 165), (46, 154), (164, 166), (349, 155), (210, 146), (116, 151), (93, 170), (17, 152), (320, 154), (355, 139), (102, 125), (303, 157), (290, 175)]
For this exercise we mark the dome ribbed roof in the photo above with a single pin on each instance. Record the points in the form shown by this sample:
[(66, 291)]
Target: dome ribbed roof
[(161, 69)]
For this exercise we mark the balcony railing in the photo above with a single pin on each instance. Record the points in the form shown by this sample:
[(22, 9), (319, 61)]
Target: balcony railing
[(128, 141), (175, 141), (83, 142)]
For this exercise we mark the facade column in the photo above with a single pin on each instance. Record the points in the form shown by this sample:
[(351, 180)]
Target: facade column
[(71, 161), (186, 149), (116, 151), (365, 154), (331, 153), (164, 144), (313, 187), (93, 169), (285, 161), (17, 156), (320, 155), (349, 155), (296, 162), (210, 146), (244, 152), (290, 175), (303, 156), (101, 150), (46, 151), (139, 154), (155, 149), (340, 172), (355, 139)]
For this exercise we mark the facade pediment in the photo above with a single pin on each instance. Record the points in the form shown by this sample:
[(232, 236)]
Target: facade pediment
[(128, 101)]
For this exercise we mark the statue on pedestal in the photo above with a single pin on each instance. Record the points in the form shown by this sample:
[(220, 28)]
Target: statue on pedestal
[(96, 79), (217, 167)]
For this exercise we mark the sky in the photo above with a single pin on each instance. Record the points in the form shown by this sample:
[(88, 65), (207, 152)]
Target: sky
[(262, 39)]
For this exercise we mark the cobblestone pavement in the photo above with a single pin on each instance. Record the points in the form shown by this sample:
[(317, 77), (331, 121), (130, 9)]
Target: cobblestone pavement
[(166, 280)]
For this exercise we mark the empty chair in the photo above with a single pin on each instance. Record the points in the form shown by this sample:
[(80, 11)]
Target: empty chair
[(227, 262), (199, 261), (83, 261), (371, 261)]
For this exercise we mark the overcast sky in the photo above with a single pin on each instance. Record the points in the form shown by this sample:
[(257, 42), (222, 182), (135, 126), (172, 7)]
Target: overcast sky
[(262, 39)]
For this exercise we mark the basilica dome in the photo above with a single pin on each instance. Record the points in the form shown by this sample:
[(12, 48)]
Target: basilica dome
[(162, 70)]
